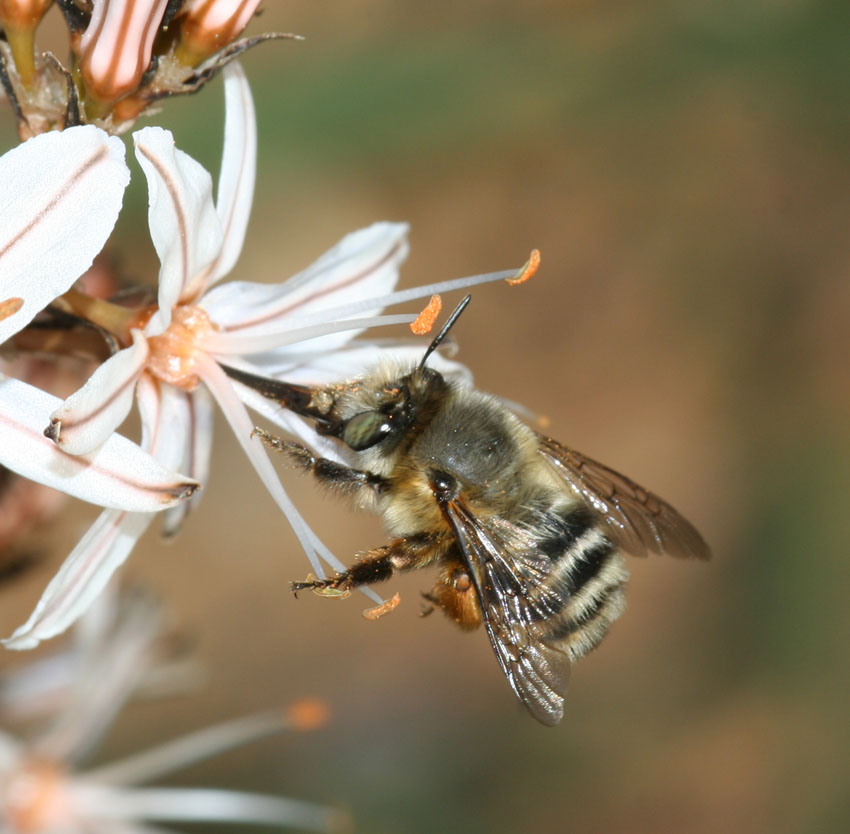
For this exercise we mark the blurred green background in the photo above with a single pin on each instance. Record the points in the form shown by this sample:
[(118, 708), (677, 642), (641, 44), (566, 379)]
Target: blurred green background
[(683, 167)]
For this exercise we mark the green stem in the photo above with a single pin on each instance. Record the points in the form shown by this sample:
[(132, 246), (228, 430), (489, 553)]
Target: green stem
[(22, 44)]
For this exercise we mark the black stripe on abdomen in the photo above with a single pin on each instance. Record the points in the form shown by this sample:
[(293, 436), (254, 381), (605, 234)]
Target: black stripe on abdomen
[(589, 613), (564, 530), (577, 551), (587, 565)]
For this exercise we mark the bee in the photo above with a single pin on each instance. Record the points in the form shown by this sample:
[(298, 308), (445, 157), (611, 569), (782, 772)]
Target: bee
[(528, 534)]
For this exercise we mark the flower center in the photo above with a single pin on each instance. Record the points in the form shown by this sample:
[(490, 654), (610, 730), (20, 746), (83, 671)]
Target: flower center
[(174, 354), (36, 798)]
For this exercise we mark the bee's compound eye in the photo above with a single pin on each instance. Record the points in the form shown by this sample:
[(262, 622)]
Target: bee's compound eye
[(365, 430)]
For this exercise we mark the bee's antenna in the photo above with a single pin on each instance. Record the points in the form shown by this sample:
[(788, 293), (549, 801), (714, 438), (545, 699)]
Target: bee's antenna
[(435, 343)]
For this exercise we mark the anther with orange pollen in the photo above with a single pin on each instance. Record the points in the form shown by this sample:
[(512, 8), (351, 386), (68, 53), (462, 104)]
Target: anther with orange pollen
[(9, 307), (529, 270), (308, 714), (425, 320)]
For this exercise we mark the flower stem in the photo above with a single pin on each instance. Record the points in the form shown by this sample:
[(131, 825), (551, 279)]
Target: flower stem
[(22, 43)]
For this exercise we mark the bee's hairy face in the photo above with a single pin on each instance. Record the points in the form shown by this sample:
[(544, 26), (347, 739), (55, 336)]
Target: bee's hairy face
[(381, 409)]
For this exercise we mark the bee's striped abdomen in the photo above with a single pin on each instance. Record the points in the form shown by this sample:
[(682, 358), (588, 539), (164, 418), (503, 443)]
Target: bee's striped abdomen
[(588, 574)]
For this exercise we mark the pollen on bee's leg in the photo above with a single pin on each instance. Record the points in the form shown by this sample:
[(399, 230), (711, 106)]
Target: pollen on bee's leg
[(528, 270), (272, 441), (383, 609), (329, 592), (425, 320)]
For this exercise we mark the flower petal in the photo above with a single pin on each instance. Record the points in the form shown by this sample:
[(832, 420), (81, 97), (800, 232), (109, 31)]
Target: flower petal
[(165, 415), (36, 690), (11, 752), (169, 422), (118, 474), (198, 450), (83, 575), (103, 678), (363, 264), (238, 169), (62, 192), (93, 412), (185, 228)]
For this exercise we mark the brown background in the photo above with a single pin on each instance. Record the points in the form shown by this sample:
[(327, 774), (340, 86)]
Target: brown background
[(683, 167)]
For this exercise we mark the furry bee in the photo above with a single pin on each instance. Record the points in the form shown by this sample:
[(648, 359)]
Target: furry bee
[(528, 534)]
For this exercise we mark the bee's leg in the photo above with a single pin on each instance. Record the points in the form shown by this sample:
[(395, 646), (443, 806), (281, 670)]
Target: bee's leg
[(432, 603), (339, 477), (456, 595), (374, 566), (379, 564)]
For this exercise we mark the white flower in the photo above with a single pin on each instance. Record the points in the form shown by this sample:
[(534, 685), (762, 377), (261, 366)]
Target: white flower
[(171, 363), (44, 791), (118, 651), (61, 194)]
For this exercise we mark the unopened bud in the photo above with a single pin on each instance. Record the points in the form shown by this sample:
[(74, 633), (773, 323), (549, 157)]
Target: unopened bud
[(116, 47), (22, 14), (206, 26), (19, 19)]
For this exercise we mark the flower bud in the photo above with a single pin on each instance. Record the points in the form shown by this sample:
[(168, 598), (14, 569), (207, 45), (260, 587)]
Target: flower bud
[(23, 14), (206, 26), (19, 19), (116, 47)]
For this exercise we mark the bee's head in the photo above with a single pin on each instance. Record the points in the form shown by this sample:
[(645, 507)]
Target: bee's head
[(384, 406), (381, 407)]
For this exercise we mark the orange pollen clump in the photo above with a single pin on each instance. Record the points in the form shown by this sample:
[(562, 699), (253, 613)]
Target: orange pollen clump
[(531, 266), (174, 354), (35, 798), (425, 320), (308, 714), (384, 608)]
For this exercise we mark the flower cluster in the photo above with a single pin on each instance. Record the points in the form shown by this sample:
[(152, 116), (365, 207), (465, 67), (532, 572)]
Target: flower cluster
[(75, 694), (126, 55)]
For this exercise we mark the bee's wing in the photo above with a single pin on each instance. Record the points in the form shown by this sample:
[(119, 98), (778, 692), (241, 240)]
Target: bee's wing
[(639, 521), (508, 573)]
